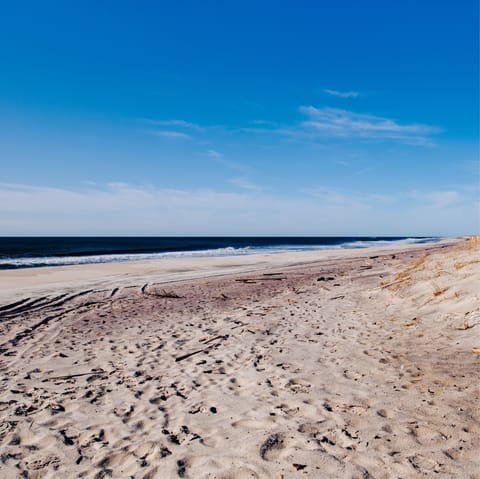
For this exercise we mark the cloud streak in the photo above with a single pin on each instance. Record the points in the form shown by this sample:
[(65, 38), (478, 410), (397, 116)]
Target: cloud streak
[(173, 129), (175, 123), (219, 158), (437, 199), (176, 135), (327, 123), (214, 154), (246, 184), (339, 123), (120, 208), (342, 94), (335, 196), (318, 124)]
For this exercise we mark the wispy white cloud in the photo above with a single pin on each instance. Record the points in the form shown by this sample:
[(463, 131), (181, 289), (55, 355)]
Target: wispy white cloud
[(337, 196), (258, 130), (174, 129), (437, 199), (246, 184), (319, 124), (322, 124), (235, 166), (175, 123), (264, 122), (342, 94), (220, 159), (171, 134), (120, 208), (336, 122), (214, 154)]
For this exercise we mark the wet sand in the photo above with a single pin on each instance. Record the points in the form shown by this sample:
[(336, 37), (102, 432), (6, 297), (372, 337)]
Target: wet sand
[(346, 364)]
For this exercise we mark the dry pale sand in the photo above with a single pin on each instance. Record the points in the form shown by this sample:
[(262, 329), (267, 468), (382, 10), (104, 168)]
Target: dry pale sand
[(335, 365)]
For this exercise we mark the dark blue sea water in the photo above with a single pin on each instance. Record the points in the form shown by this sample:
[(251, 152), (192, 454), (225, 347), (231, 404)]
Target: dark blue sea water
[(24, 252)]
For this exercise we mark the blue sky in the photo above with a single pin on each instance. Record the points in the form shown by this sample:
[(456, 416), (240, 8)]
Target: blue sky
[(252, 117)]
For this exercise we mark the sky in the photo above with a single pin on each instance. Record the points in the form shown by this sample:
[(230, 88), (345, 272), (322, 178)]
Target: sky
[(239, 117)]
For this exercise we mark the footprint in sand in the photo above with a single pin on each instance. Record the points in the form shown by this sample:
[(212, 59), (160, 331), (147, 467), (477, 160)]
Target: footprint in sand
[(271, 447), (298, 386)]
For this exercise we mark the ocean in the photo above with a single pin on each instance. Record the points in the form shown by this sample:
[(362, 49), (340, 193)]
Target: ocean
[(25, 252)]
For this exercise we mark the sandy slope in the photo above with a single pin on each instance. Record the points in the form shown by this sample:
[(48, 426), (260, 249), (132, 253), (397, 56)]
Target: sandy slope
[(358, 366)]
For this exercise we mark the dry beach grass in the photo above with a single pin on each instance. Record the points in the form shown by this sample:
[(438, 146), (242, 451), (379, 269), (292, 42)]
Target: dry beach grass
[(360, 365)]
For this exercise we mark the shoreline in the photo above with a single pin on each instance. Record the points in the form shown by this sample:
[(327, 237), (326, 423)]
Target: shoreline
[(42, 280)]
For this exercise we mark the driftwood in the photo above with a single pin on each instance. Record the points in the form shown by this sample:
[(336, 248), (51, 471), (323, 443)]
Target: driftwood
[(165, 294), (298, 291), (238, 326), (188, 355), (198, 351), (220, 336), (69, 376), (254, 280), (338, 297)]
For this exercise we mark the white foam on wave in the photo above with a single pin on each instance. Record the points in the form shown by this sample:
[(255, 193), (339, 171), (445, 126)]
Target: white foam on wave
[(372, 243), (115, 258), (218, 252)]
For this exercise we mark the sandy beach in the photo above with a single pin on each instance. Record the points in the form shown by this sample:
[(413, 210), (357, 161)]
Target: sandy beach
[(331, 364)]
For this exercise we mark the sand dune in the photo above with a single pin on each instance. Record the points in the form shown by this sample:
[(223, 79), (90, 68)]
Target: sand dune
[(354, 365)]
